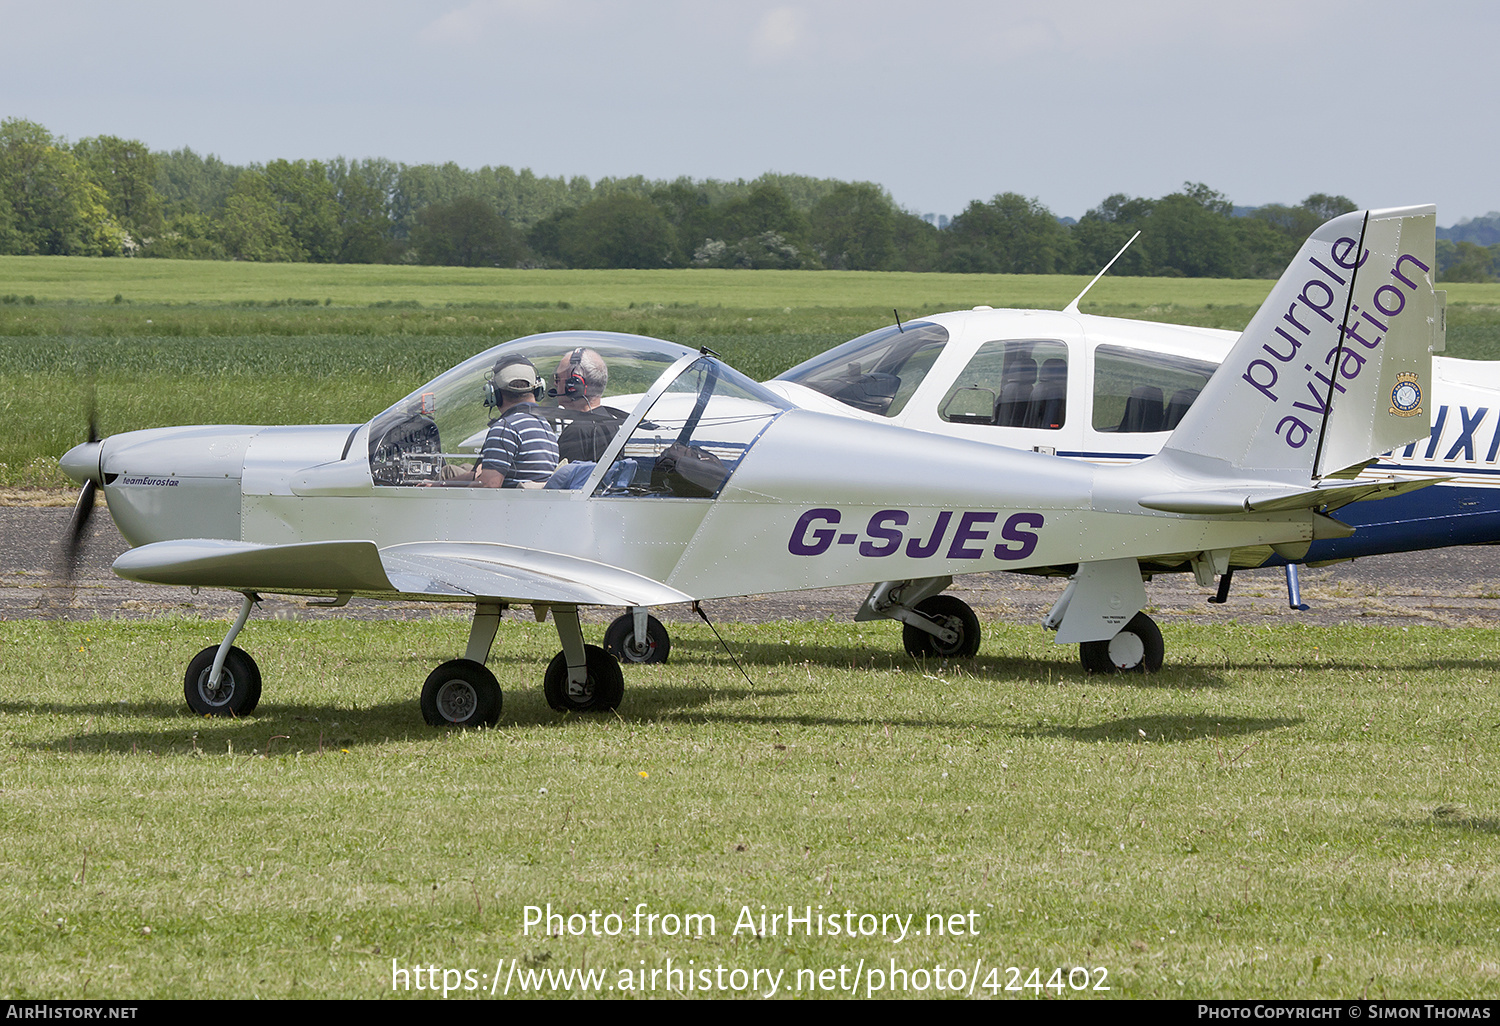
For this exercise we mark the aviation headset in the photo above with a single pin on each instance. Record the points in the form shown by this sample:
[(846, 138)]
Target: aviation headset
[(576, 387), (516, 374)]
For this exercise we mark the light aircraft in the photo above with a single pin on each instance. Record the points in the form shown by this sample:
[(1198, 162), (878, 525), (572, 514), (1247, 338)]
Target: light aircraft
[(715, 486)]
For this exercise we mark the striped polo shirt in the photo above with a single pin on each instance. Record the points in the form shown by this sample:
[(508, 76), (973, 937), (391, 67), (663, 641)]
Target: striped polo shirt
[(520, 445)]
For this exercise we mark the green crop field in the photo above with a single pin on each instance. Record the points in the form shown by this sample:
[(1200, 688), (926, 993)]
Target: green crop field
[(147, 343), (1285, 812)]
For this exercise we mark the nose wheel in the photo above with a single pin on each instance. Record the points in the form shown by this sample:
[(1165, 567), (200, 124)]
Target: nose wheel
[(237, 690)]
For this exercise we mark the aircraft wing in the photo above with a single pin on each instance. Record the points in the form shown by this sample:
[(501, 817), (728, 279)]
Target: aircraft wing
[(461, 571), (1278, 499)]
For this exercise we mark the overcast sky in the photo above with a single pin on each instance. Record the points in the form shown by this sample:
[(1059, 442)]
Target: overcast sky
[(940, 101)]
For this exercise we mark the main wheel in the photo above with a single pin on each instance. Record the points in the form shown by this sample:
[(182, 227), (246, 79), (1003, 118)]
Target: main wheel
[(952, 613), (620, 641), (1138, 648), (238, 689), (461, 693), (601, 692)]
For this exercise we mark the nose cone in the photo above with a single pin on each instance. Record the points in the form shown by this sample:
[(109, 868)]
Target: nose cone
[(81, 462)]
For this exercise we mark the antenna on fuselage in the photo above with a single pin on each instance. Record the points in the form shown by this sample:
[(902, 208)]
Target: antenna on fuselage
[(1073, 306)]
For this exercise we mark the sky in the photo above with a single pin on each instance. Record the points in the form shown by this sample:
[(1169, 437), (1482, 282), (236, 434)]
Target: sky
[(942, 102)]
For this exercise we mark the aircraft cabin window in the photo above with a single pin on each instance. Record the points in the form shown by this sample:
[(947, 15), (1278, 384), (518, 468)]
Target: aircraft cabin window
[(1138, 392), (878, 372), (1011, 384), (438, 435)]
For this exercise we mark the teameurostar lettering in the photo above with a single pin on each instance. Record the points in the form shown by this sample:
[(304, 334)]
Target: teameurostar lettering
[(1320, 298), (154, 482), (954, 534)]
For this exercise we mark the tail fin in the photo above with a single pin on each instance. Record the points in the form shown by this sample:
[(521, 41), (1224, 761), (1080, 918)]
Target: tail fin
[(1336, 366)]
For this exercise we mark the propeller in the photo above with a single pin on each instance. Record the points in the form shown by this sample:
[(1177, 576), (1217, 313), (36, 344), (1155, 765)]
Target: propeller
[(82, 463)]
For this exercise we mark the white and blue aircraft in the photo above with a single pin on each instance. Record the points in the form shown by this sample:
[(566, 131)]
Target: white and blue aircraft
[(1111, 391), (716, 486)]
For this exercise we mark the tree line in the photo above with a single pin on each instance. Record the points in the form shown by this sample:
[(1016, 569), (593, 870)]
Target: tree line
[(106, 196)]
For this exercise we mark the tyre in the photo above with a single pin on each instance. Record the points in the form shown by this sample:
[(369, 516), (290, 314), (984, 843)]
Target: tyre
[(952, 613), (620, 641), (601, 692), (238, 690), (1138, 648), (461, 693)]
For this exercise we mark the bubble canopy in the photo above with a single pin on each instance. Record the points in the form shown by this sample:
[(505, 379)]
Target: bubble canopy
[(669, 395)]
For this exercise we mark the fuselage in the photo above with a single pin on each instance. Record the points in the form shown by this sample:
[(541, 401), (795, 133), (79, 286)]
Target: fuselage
[(954, 386)]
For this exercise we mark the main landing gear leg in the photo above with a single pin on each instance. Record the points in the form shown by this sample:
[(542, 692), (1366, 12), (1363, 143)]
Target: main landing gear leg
[(223, 680), (463, 692), (581, 678), (932, 624)]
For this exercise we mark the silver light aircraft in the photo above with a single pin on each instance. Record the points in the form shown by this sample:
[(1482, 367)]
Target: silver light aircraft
[(715, 486)]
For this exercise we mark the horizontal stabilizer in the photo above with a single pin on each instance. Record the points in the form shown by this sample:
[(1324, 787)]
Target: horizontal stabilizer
[(1277, 500)]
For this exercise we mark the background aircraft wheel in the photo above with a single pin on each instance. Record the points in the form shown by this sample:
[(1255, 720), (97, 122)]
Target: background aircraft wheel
[(1138, 648), (461, 693), (602, 691), (620, 641), (953, 613), (239, 685)]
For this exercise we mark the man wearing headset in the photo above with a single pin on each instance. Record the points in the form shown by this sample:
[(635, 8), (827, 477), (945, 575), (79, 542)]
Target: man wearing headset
[(578, 385), (520, 447)]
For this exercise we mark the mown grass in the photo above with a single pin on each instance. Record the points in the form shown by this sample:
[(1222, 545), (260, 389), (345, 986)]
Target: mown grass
[(1284, 812)]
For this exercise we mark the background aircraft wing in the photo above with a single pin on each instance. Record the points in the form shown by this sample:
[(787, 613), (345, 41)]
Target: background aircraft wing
[(447, 571)]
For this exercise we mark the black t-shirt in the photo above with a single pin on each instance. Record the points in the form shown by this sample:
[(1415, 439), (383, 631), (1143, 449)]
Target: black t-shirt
[(588, 434)]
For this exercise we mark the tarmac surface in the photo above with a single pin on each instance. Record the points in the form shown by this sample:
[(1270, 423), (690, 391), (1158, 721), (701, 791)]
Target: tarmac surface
[(1448, 587)]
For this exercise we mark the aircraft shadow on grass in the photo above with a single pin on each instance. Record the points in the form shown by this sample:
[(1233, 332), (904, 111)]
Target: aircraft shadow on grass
[(1158, 729)]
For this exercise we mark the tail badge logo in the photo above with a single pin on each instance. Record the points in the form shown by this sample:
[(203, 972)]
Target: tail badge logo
[(1406, 397)]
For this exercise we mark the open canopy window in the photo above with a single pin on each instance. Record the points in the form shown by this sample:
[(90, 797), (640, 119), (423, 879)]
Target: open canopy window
[(701, 421)]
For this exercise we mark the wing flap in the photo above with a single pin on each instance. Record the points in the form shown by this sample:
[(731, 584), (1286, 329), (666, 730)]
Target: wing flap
[(491, 570), (303, 568)]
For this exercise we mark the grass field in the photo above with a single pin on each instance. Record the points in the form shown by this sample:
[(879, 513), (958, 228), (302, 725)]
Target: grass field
[(1282, 813)]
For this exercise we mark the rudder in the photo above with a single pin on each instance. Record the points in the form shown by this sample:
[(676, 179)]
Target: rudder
[(1335, 366)]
